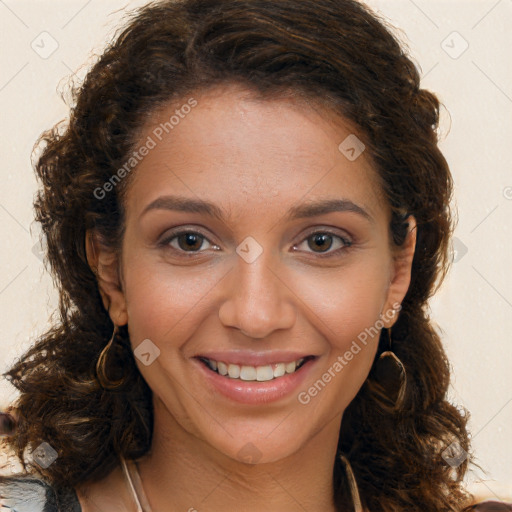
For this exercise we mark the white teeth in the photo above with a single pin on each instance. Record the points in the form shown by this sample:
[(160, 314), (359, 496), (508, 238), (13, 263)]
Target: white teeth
[(234, 371), (222, 368), (264, 373), (254, 373), (290, 367), (279, 370), (248, 373)]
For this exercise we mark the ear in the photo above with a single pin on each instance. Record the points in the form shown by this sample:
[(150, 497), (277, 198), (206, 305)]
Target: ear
[(105, 265), (401, 275)]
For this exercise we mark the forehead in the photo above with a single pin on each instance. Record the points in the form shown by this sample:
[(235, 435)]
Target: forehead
[(243, 152)]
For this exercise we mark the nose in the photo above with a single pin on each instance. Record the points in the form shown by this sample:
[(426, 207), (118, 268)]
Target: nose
[(257, 300)]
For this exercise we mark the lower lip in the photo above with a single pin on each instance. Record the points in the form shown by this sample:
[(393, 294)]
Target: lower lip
[(256, 392)]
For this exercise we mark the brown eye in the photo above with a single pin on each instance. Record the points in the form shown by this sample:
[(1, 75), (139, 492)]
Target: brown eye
[(323, 241), (186, 242), (190, 241)]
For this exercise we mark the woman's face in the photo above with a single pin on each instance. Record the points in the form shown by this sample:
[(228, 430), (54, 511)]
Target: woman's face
[(291, 259)]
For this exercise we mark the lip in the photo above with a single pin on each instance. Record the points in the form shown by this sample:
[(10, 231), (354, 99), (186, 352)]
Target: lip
[(255, 392), (254, 358)]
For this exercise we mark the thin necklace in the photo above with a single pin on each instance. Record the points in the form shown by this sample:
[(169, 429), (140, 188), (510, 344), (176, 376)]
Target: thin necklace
[(134, 483)]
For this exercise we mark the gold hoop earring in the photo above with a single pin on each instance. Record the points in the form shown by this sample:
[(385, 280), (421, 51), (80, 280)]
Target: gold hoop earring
[(388, 380), (354, 491), (102, 364)]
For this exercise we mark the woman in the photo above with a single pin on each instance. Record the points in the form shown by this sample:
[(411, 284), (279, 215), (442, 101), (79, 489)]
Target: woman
[(245, 217)]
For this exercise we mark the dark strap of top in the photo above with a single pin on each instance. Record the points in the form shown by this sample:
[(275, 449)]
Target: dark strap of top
[(492, 506), (67, 500)]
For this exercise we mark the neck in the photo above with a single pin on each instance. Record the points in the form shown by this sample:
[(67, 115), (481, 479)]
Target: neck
[(187, 472)]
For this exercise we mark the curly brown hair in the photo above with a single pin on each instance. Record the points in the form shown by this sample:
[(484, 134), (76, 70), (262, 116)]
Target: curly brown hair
[(335, 53)]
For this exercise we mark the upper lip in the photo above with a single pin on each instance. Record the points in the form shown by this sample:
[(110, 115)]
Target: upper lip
[(254, 358)]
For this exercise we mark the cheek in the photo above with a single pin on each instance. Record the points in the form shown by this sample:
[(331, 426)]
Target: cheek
[(165, 302), (342, 304), (345, 309)]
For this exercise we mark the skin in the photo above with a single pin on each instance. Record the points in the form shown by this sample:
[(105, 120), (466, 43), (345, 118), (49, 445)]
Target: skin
[(255, 159)]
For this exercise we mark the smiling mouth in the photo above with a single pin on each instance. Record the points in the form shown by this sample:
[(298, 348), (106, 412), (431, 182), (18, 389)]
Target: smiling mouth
[(254, 373)]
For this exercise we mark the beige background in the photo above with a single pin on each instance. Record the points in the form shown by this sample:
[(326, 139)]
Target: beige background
[(473, 309)]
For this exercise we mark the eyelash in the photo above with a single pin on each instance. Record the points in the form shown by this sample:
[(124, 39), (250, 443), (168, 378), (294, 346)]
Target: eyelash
[(165, 243)]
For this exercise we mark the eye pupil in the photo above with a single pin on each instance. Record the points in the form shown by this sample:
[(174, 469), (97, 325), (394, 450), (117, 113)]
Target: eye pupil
[(320, 239), (191, 240)]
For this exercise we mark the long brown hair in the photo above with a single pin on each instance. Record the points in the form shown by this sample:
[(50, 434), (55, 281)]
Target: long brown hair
[(336, 53)]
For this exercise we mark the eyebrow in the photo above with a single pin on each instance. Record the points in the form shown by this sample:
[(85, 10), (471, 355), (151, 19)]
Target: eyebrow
[(324, 206), (305, 210)]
